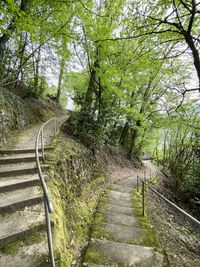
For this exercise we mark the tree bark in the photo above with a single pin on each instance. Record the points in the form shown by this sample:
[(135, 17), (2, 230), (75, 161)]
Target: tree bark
[(195, 55), (62, 66)]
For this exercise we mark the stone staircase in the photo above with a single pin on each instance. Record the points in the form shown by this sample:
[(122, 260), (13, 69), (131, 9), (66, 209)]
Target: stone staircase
[(117, 231), (21, 208)]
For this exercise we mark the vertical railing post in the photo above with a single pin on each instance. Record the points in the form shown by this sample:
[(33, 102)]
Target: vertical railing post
[(42, 143), (143, 198), (49, 234), (137, 184), (55, 128)]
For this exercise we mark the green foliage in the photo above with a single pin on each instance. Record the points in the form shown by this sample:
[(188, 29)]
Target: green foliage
[(37, 87), (179, 153)]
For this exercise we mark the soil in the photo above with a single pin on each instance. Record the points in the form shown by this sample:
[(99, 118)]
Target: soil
[(117, 167)]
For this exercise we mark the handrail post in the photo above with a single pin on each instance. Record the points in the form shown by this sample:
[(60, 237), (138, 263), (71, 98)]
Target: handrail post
[(55, 127), (49, 235), (42, 143), (143, 198)]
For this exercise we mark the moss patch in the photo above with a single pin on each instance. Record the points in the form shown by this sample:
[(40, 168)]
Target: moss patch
[(75, 186), (14, 247), (93, 256)]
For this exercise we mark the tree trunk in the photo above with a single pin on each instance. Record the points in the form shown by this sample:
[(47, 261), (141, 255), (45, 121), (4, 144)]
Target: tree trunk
[(124, 134), (62, 66), (36, 78), (132, 145), (195, 55)]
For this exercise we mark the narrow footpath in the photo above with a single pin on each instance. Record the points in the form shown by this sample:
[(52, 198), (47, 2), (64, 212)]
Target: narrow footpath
[(22, 221), (117, 229)]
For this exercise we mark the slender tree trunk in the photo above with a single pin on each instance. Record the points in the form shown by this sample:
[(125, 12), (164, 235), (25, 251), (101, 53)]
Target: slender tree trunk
[(132, 144), (62, 66), (124, 134), (36, 78), (195, 55), (20, 70)]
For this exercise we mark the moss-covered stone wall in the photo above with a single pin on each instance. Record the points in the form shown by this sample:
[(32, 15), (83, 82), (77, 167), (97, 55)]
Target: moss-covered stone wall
[(76, 184)]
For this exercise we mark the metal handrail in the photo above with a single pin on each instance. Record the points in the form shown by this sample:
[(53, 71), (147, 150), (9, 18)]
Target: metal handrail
[(47, 200), (194, 220)]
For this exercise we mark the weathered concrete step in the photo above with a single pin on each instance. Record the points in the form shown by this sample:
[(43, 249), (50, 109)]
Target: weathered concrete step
[(118, 209), (122, 233), (98, 265), (116, 195), (122, 188), (28, 256), (120, 203), (17, 159), (119, 254), (22, 151), (120, 219), (14, 183), (128, 182), (18, 169), (18, 199), (118, 198), (20, 223)]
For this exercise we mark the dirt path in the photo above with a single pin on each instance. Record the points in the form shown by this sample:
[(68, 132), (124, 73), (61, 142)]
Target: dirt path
[(26, 138)]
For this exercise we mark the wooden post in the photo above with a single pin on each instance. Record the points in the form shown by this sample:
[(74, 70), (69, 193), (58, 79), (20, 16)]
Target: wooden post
[(143, 200)]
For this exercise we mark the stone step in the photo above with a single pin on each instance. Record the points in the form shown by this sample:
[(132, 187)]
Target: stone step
[(33, 255), (120, 203), (98, 265), (129, 182), (122, 233), (122, 196), (17, 159), (13, 183), (22, 151), (120, 219), (120, 254), (118, 209), (18, 169), (122, 188), (20, 223), (18, 199)]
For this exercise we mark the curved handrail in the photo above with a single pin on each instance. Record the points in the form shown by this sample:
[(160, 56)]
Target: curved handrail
[(47, 200), (43, 183), (194, 220)]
